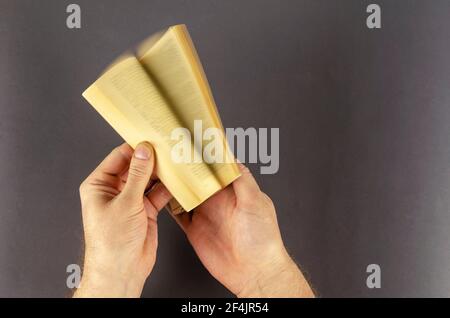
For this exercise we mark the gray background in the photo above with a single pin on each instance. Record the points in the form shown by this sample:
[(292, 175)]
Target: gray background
[(364, 118)]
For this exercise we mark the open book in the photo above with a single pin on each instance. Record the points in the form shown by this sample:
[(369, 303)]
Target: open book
[(148, 95)]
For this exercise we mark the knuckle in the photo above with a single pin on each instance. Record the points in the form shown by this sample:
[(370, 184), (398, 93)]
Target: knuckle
[(115, 150), (137, 170), (82, 188), (244, 169), (268, 201), (259, 200)]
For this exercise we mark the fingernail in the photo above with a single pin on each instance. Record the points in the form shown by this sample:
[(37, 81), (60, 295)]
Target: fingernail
[(142, 152)]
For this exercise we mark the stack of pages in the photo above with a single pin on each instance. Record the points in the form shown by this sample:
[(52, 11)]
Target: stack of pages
[(154, 95)]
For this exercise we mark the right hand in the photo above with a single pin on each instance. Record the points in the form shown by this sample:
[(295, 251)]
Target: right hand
[(236, 236)]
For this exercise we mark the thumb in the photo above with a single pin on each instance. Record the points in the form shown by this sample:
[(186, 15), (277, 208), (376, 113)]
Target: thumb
[(140, 171), (245, 187)]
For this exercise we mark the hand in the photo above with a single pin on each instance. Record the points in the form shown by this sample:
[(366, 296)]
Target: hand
[(236, 236), (120, 223)]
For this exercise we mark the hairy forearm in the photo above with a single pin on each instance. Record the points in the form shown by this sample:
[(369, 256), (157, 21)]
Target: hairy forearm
[(97, 283), (284, 280)]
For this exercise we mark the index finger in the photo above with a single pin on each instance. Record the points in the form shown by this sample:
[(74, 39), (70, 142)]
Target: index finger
[(116, 162)]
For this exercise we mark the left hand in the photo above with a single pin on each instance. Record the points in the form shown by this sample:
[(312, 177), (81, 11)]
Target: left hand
[(120, 223)]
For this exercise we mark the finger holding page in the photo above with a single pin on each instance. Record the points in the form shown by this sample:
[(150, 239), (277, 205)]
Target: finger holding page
[(116, 162), (159, 196), (109, 170)]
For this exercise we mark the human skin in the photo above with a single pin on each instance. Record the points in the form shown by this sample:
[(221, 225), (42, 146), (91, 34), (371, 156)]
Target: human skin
[(120, 223), (235, 233)]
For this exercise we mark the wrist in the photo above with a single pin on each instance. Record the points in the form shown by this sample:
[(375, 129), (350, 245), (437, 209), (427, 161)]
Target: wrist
[(101, 282), (281, 278)]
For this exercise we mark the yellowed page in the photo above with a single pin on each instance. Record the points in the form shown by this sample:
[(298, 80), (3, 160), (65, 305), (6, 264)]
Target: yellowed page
[(131, 103), (173, 63)]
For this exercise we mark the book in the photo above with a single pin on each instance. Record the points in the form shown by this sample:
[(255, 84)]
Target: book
[(149, 94)]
